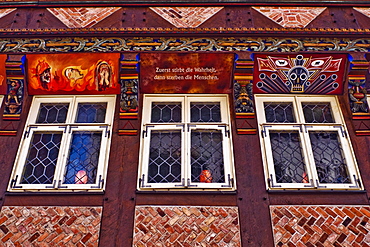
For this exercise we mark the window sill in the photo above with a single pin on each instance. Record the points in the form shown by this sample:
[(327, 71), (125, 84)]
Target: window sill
[(156, 191), (314, 191), (53, 193)]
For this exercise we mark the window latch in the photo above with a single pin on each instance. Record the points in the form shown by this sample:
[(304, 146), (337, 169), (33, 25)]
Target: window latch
[(271, 181), (100, 184), (107, 132), (27, 133), (298, 126), (60, 185), (145, 132), (264, 132), (63, 127), (310, 184), (344, 133), (181, 125), (51, 186), (191, 185), (320, 186), (72, 127), (182, 183), (227, 132), (191, 126), (306, 127), (357, 181), (230, 181), (142, 181), (13, 182)]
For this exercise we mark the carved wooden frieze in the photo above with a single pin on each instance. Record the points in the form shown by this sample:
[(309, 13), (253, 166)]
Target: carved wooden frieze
[(251, 44)]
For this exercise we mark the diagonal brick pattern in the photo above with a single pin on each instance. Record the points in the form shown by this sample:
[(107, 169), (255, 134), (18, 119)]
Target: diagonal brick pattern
[(186, 17), (291, 16), (4, 12), (186, 226), (365, 11), (50, 226), (82, 17), (310, 226)]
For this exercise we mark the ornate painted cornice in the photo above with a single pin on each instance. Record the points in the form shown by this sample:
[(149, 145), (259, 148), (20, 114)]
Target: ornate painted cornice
[(145, 31), (47, 45)]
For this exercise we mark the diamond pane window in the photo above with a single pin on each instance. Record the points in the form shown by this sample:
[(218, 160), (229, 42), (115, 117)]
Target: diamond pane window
[(83, 158), (42, 158), (186, 143), (317, 113), (305, 144), (165, 112), (279, 112), (91, 113), (287, 157), (65, 145), (165, 157), (207, 157), (331, 166), (205, 112), (52, 113)]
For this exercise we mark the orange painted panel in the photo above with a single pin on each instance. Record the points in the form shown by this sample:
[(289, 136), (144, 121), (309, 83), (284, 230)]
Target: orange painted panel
[(75, 73)]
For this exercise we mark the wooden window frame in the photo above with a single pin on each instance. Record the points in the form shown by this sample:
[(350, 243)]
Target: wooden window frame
[(185, 127), (303, 128), (66, 130)]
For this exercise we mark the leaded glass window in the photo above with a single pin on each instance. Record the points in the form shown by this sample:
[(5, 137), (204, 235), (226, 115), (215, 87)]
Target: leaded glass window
[(42, 158), (52, 113), (287, 156), (65, 143), (305, 143), (186, 143), (207, 157)]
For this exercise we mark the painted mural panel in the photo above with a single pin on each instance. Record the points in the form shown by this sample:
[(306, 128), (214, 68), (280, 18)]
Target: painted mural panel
[(75, 73), (299, 73), (186, 72), (3, 85)]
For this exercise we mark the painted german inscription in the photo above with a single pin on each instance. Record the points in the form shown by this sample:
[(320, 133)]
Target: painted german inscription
[(186, 72)]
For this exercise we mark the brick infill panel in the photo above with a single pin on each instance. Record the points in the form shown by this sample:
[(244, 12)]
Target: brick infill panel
[(50, 226), (321, 226), (186, 226)]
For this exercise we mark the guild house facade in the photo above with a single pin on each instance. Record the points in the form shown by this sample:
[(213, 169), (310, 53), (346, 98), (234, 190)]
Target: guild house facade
[(184, 123)]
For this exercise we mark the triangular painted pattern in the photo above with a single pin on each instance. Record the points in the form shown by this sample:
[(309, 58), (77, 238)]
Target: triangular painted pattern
[(291, 16), (365, 11), (4, 12), (82, 17), (186, 17)]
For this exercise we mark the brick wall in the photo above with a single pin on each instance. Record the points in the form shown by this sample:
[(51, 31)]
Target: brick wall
[(186, 226), (337, 226), (50, 226)]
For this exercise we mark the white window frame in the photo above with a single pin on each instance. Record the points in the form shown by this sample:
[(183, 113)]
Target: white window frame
[(303, 129), (66, 129), (185, 128)]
